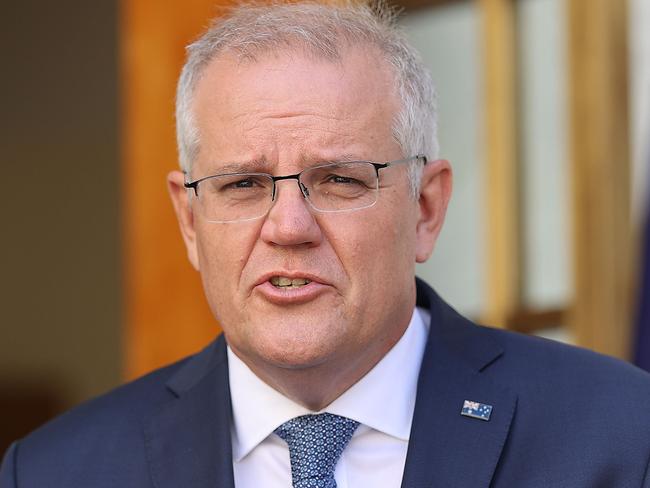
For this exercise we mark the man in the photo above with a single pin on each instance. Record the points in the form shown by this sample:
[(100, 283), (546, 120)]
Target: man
[(310, 188)]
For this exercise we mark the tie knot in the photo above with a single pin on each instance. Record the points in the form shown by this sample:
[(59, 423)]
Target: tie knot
[(315, 446)]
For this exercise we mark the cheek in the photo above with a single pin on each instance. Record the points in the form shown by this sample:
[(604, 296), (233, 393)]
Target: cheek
[(223, 253), (395, 247), (374, 247)]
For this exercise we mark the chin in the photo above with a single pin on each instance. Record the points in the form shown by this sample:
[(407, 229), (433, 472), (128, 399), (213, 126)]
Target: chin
[(298, 354), (291, 341), (291, 353)]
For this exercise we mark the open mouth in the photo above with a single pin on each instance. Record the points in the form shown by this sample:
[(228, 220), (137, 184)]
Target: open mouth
[(288, 283)]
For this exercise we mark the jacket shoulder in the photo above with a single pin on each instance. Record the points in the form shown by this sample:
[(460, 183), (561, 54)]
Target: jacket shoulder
[(530, 360), (123, 404), (103, 432), (527, 362), (576, 409)]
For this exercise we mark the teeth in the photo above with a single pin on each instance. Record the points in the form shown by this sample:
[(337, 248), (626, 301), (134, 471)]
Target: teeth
[(284, 282)]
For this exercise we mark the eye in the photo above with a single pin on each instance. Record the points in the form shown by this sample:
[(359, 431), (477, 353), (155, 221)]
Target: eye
[(334, 178), (234, 185), (243, 183), (343, 177)]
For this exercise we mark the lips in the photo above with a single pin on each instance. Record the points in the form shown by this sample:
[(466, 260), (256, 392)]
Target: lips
[(290, 288), (288, 279)]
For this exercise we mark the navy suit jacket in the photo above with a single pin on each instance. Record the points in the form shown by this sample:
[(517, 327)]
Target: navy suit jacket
[(562, 417)]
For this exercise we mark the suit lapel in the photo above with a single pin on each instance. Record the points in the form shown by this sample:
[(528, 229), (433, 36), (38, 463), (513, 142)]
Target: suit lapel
[(188, 440), (446, 448)]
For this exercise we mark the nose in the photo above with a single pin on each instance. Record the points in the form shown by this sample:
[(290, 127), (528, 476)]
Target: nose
[(290, 221)]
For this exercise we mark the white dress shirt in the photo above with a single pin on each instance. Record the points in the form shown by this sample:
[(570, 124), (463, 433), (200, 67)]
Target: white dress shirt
[(382, 402)]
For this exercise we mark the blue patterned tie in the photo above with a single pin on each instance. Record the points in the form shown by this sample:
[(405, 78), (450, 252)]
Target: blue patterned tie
[(315, 446)]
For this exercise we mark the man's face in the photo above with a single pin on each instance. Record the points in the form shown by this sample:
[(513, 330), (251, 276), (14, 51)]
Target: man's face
[(279, 115)]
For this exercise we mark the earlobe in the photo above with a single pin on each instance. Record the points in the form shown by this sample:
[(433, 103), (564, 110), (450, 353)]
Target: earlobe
[(435, 192), (184, 214)]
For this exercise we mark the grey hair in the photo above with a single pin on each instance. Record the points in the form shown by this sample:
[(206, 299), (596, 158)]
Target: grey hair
[(321, 29)]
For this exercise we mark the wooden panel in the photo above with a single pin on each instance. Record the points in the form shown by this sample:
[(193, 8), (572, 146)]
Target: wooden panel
[(499, 57), (530, 321), (600, 156), (165, 315)]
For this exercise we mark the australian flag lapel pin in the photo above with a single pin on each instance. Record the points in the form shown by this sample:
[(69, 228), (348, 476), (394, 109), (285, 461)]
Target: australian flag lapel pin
[(476, 410)]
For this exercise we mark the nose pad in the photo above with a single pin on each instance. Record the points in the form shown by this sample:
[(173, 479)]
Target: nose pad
[(290, 220), (304, 191)]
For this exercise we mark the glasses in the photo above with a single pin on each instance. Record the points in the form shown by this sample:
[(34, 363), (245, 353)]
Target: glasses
[(334, 187)]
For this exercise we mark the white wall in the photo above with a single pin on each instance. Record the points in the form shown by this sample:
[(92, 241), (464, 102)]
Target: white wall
[(447, 38), (545, 169), (639, 15)]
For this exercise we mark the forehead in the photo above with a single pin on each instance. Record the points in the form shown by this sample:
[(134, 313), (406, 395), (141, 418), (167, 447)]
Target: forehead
[(291, 100)]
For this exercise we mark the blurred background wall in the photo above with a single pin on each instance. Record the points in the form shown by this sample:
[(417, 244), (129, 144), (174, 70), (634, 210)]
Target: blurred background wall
[(94, 282), (60, 265)]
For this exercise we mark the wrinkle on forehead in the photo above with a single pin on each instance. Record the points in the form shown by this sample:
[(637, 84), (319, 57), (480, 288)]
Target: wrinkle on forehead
[(263, 165), (315, 110)]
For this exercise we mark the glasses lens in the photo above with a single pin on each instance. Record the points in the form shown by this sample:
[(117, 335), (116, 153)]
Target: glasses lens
[(341, 186), (228, 198)]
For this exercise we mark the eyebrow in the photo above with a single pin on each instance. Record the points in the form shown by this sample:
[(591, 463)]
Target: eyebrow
[(262, 165), (341, 158), (254, 166)]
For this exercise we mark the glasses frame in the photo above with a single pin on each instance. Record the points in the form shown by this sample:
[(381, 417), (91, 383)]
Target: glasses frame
[(193, 185)]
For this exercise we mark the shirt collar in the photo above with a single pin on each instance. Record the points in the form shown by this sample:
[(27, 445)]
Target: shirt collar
[(383, 399)]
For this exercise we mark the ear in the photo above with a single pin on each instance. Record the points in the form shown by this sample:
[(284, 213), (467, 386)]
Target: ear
[(435, 191), (182, 205)]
